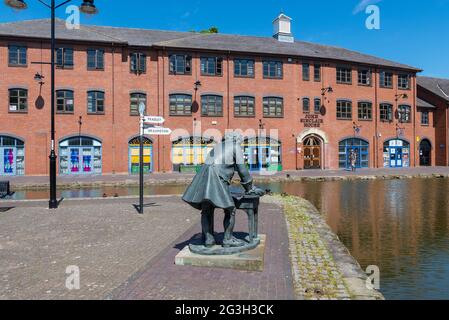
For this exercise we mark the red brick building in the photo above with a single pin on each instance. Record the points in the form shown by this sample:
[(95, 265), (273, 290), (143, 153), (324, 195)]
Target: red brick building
[(300, 105)]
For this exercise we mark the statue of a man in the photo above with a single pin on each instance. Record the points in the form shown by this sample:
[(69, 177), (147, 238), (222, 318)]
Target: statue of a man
[(210, 189)]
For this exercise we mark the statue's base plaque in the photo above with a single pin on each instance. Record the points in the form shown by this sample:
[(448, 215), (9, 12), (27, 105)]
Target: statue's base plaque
[(251, 260)]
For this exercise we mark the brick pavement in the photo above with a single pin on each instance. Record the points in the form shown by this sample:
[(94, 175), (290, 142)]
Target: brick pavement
[(161, 279)]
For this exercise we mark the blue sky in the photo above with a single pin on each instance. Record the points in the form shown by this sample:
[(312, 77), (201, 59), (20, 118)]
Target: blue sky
[(412, 32)]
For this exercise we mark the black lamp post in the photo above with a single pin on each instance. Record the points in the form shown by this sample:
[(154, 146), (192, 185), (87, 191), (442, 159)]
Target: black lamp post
[(87, 7)]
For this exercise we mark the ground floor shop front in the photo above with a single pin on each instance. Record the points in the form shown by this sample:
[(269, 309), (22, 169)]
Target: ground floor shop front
[(92, 155)]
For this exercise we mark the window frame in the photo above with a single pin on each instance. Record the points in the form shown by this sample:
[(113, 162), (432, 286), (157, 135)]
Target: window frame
[(217, 98), (404, 113), (365, 107), (341, 112), (266, 104), (217, 60), (18, 56), (278, 66), (96, 57), (184, 113), (96, 102), (382, 79), (64, 99), (18, 97), (387, 110), (369, 77), (238, 62), (425, 123), (317, 72), (173, 64), (64, 53), (315, 110), (305, 71), (400, 82), (306, 105), (139, 58), (142, 96), (248, 99), (343, 71)]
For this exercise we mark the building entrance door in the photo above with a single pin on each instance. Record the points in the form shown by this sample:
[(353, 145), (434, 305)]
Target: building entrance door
[(7, 161), (81, 160), (425, 151), (312, 153)]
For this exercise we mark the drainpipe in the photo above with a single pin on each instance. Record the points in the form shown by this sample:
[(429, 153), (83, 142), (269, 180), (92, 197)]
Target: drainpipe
[(376, 122), (113, 109), (414, 123), (228, 90)]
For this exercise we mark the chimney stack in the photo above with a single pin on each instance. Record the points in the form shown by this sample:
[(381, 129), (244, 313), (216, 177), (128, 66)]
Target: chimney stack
[(282, 29)]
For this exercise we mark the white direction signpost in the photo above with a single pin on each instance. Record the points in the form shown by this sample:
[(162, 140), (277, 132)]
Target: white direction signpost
[(157, 131), (153, 120)]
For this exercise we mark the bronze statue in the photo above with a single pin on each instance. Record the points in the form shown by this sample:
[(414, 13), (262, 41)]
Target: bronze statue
[(210, 189)]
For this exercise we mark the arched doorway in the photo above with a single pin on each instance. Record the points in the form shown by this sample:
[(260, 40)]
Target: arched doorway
[(262, 154), (134, 155), (12, 156), (425, 153), (189, 153), (80, 155), (312, 150), (361, 149), (396, 154)]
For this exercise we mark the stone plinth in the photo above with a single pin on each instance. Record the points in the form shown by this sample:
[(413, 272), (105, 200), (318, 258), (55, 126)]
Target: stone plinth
[(252, 260)]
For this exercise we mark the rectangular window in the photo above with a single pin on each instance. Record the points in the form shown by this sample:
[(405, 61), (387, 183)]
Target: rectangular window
[(305, 72), (404, 81), (317, 105), (180, 105), (364, 77), (405, 115), (17, 55), (273, 107), (138, 62), (180, 64), (64, 101), (95, 59), (344, 75), (95, 102), (317, 72), (211, 66), (386, 112), (425, 118), (244, 68), (135, 100), (386, 79), (244, 106), (18, 100), (273, 69), (64, 58), (212, 106), (305, 105), (344, 110), (365, 111)]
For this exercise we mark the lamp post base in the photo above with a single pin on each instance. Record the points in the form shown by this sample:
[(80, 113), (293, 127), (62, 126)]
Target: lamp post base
[(53, 203)]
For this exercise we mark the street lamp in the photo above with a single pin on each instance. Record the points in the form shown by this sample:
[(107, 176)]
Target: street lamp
[(87, 7)]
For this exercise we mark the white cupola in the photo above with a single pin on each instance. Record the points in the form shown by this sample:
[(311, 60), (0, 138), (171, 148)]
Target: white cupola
[(282, 28)]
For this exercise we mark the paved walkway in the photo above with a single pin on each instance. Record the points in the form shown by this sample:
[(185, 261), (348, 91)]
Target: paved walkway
[(124, 255), (167, 178)]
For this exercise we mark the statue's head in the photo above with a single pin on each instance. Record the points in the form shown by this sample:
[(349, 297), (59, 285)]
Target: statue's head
[(235, 137)]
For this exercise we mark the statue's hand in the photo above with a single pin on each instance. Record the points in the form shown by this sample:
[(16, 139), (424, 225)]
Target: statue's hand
[(256, 191)]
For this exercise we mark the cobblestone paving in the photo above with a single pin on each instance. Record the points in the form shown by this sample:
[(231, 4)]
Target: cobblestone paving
[(106, 239), (317, 277), (161, 279)]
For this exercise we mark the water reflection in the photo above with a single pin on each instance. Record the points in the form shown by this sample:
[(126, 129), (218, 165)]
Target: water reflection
[(399, 225)]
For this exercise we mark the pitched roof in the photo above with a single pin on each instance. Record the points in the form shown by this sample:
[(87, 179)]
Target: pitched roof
[(438, 86), (188, 40), (424, 104)]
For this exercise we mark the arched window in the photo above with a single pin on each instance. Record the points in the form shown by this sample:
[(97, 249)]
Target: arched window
[(273, 107), (361, 149), (80, 155), (396, 154), (18, 100), (262, 154), (190, 152), (244, 106), (212, 105), (180, 105), (64, 101), (12, 156), (134, 155), (306, 105), (135, 99)]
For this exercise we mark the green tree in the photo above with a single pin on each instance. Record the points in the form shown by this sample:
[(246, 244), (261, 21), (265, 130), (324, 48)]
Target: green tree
[(210, 30)]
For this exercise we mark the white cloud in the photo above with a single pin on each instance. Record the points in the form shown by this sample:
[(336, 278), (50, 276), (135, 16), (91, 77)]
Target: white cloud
[(363, 4)]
